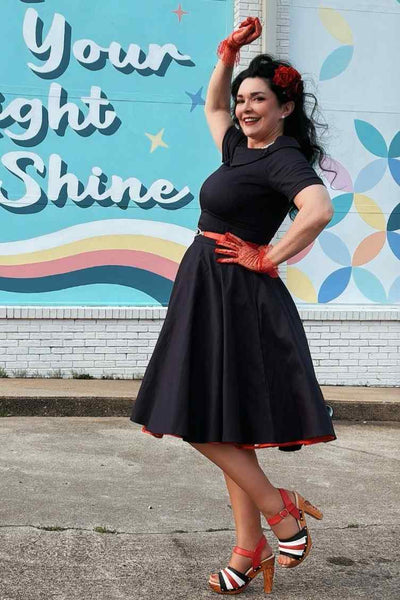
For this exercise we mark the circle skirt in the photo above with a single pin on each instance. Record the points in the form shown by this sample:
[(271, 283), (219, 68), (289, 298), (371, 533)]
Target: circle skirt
[(232, 362)]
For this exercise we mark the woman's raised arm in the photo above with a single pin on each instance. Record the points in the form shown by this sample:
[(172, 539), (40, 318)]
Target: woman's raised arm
[(217, 106)]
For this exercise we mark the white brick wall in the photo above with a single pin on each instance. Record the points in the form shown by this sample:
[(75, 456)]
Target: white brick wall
[(353, 346), (251, 8), (97, 341), (348, 347)]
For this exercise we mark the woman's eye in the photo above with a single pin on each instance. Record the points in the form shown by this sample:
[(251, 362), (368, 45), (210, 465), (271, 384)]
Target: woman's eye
[(257, 98)]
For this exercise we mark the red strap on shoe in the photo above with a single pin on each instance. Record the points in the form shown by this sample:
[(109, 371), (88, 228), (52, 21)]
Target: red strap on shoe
[(255, 555), (289, 508)]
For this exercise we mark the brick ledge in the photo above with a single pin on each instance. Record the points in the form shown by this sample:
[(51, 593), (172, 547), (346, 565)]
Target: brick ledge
[(307, 312)]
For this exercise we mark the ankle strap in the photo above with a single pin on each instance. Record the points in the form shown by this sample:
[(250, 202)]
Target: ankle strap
[(289, 508), (255, 555)]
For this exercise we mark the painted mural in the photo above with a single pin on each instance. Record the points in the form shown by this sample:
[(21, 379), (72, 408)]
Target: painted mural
[(350, 52), (104, 146)]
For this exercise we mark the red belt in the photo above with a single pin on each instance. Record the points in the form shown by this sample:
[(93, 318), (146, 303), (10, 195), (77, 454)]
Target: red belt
[(218, 236), (211, 234)]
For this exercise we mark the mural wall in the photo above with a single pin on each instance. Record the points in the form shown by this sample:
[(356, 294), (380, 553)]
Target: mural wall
[(351, 55), (104, 145)]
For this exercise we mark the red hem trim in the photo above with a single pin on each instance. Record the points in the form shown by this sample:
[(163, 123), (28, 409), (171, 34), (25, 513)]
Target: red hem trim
[(315, 440)]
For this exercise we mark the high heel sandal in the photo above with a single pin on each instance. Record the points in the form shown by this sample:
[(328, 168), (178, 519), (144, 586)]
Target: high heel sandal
[(299, 545), (232, 581)]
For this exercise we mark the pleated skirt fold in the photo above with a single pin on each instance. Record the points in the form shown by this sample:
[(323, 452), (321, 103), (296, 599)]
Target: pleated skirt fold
[(232, 362)]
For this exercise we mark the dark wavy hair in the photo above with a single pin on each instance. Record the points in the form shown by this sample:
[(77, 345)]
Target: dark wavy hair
[(298, 124)]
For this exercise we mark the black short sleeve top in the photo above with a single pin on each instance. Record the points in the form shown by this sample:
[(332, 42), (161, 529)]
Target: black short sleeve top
[(251, 192)]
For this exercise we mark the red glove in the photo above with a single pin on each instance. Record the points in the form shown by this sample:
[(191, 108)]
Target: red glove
[(249, 255), (228, 50)]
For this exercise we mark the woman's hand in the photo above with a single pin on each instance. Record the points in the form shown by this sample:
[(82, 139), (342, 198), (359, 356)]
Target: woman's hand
[(248, 31), (247, 254)]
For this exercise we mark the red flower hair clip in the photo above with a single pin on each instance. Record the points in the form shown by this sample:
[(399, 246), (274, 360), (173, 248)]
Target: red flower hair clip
[(289, 79)]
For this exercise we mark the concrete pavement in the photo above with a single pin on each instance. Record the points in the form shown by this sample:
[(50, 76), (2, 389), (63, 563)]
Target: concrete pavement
[(91, 508)]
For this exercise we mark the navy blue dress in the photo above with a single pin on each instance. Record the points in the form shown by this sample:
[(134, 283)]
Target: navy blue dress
[(232, 362)]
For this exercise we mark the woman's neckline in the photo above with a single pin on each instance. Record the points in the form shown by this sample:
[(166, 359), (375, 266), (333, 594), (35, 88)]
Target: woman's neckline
[(268, 146)]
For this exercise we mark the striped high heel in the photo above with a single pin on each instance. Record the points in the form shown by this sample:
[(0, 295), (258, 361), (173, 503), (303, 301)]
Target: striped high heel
[(299, 545), (232, 581)]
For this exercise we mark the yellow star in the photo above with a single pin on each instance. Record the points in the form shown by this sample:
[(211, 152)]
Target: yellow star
[(156, 140)]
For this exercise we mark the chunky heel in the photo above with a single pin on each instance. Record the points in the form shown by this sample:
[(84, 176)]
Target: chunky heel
[(311, 510), (268, 573), (299, 545)]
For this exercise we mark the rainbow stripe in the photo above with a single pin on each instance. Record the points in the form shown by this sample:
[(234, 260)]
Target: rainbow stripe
[(141, 254)]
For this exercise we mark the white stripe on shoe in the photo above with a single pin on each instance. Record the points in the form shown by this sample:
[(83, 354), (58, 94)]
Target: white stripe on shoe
[(295, 552), (238, 579), (228, 584), (298, 542)]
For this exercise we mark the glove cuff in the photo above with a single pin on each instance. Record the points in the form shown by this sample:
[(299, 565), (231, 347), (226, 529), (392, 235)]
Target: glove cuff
[(265, 264), (228, 53)]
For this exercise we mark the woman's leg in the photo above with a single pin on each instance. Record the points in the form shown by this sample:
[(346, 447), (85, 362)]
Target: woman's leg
[(242, 467), (248, 526)]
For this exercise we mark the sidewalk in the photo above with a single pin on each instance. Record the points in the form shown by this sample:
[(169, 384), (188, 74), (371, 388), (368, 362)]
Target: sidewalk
[(165, 517), (96, 398)]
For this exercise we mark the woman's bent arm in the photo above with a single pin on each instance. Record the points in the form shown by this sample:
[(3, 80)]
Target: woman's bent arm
[(315, 212)]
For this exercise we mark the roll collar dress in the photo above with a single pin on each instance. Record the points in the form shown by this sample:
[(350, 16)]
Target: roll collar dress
[(253, 190), (232, 362)]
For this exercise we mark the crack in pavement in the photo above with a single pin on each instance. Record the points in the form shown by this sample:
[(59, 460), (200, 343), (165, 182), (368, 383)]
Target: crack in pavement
[(179, 531), (366, 452)]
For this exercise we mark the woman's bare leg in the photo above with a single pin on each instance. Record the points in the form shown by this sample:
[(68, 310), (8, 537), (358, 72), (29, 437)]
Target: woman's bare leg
[(248, 525), (240, 466)]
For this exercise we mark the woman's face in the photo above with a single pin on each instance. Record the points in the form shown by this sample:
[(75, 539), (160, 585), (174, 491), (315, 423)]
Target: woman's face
[(256, 100)]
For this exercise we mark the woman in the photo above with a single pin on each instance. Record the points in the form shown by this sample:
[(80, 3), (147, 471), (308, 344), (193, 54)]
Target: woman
[(231, 370)]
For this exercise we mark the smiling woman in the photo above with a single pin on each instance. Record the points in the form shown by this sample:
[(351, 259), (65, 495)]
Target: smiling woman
[(272, 91), (232, 371), (259, 113)]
